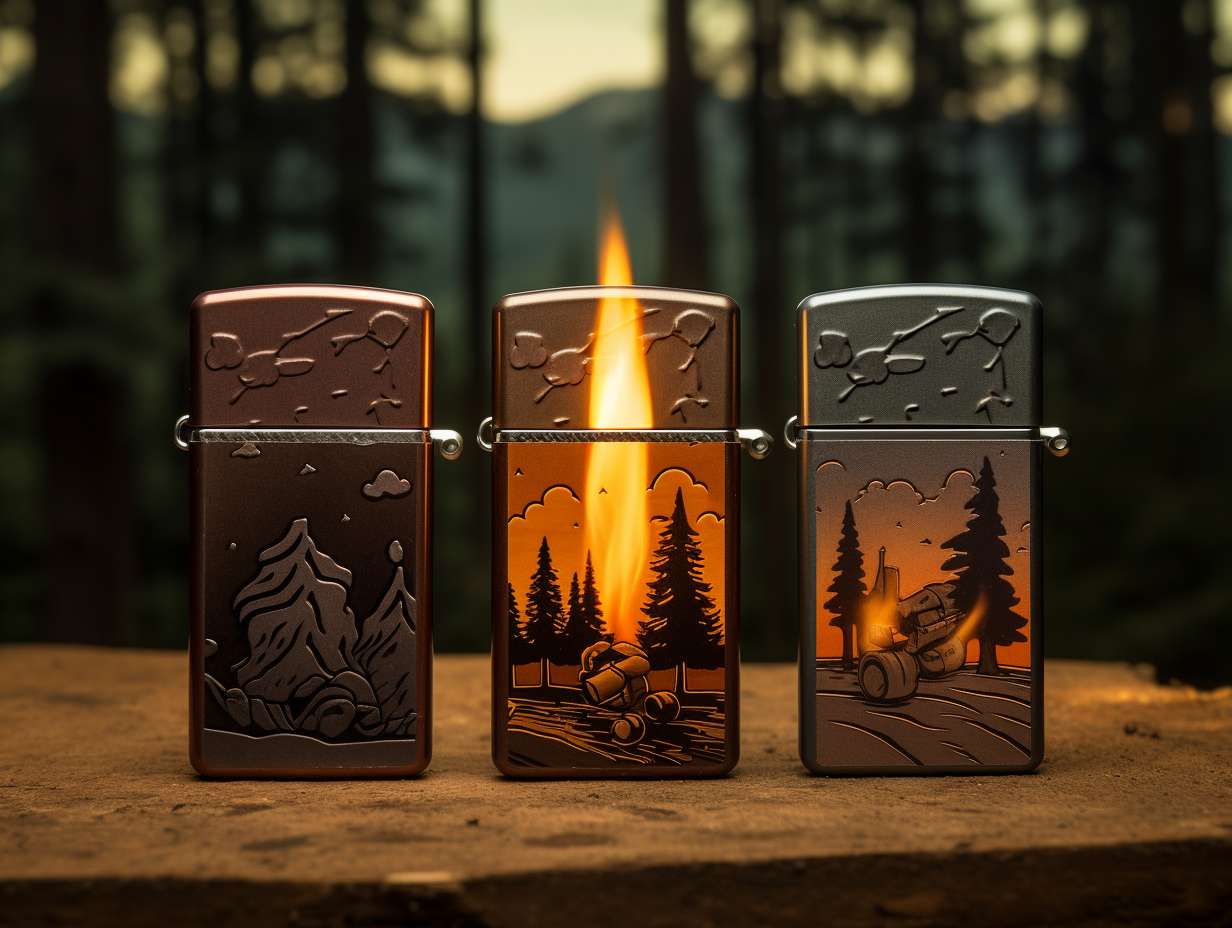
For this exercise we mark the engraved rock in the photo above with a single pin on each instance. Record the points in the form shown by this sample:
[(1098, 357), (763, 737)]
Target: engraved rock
[(528, 351), (567, 366), (693, 326), (225, 351), (293, 367), (999, 325), (833, 350), (263, 368), (386, 483), (873, 365), (260, 369), (236, 704), (387, 327)]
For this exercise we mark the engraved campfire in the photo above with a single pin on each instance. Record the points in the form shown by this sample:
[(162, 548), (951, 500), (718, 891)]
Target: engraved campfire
[(628, 675)]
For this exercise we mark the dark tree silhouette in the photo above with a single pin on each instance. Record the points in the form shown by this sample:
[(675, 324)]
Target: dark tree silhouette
[(682, 626), (684, 212), (916, 181), (979, 561), (848, 586), (518, 651), (543, 612), (582, 626), (81, 399), (770, 338), (356, 153), (565, 652), (592, 609)]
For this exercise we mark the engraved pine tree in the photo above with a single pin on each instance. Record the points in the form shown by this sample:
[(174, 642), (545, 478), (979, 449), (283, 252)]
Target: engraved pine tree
[(518, 651), (979, 560), (592, 609), (848, 586), (682, 628), (544, 612), (583, 624)]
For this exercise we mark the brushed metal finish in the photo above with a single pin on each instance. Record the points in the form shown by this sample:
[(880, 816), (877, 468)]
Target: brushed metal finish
[(918, 355)]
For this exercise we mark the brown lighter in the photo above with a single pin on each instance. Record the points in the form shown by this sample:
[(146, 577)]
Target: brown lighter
[(311, 471), (616, 505)]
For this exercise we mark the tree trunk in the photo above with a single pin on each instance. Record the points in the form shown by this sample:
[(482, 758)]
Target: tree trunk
[(251, 137), (918, 226), (89, 534), (680, 678), (849, 634), (988, 658), (355, 161), (466, 491), (203, 132), (684, 225), (769, 325)]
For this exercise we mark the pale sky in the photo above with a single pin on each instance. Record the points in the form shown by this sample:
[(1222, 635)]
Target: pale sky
[(546, 54)]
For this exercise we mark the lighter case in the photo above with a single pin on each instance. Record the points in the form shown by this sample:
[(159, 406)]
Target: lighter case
[(919, 447), (616, 473), (311, 475)]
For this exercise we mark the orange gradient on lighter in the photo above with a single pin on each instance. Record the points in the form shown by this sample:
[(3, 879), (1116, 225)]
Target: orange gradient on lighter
[(877, 622), (973, 622), (617, 515)]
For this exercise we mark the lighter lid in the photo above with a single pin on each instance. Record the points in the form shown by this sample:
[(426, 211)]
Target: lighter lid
[(311, 355), (920, 355), (546, 342)]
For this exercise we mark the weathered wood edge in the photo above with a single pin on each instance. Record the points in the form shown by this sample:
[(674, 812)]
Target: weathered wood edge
[(1150, 883)]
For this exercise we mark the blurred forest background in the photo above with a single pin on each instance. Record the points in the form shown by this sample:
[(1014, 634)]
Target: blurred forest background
[(151, 149)]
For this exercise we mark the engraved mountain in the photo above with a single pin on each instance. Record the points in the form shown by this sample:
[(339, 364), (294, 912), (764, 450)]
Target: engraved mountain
[(310, 669), (296, 618), (386, 652)]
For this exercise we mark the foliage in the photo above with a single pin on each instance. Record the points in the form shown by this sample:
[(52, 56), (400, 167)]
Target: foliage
[(682, 625), (848, 586), (979, 560)]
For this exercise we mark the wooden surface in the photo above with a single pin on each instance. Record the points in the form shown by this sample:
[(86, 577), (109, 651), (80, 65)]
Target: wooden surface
[(1129, 818)]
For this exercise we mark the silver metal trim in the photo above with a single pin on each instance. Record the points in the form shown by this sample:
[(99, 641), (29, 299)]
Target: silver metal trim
[(486, 434), (1056, 439), (180, 432), (448, 443), (861, 433), (791, 429), (757, 444), (565, 436), (332, 436)]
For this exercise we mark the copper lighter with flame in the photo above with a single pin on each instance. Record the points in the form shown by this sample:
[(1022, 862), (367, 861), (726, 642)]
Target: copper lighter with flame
[(616, 474), (919, 448), (311, 468)]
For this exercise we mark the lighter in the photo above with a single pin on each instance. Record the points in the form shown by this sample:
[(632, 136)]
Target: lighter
[(311, 474), (919, 450), (616, 472)]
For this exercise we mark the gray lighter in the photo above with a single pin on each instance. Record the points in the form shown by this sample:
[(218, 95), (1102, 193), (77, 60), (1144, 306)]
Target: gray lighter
[(920, 603)]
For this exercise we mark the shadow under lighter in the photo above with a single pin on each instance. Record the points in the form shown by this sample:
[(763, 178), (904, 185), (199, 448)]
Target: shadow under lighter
[(920, 603), (311, 469), (615, 523)]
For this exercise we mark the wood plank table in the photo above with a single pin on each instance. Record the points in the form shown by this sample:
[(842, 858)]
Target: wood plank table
[(102, 820)]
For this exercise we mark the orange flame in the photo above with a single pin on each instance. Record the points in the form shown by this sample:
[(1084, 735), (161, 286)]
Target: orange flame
[(876, 623), (975, 619), (616, 472)]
